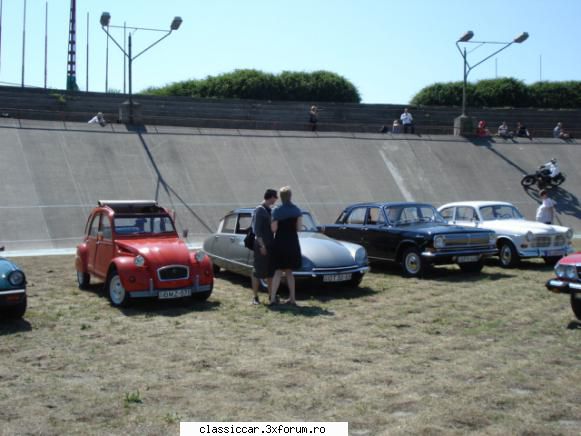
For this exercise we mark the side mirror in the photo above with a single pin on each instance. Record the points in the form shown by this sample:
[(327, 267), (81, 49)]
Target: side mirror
[(185, 233), (321, 229)]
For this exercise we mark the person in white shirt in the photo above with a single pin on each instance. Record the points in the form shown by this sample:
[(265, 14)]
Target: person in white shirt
[(551, 168), (546, 210), (98, 119), (408, 121)]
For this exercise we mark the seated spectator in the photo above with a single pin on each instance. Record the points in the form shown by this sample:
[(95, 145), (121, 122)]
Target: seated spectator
[(522, 131), (503, 131), (408, 121), (99, 118), (396, 127), (558, 132), (482, 130)]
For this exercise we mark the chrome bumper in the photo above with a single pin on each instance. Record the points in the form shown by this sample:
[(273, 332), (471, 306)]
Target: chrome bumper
[(453, 254), (12, 292), (315, 273), (560, 286), (152, 292), (538, 252)]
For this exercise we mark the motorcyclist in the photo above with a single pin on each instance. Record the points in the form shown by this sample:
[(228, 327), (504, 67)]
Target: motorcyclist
[(550, 169)]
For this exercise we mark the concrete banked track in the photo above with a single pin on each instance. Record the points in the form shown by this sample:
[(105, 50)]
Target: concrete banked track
[(53, 173)]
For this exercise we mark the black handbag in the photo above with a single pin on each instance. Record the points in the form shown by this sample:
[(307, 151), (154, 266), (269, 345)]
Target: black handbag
[(249, 239)]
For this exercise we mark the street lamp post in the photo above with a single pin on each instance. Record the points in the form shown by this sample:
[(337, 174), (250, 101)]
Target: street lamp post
[(463, 124), (105, 19)]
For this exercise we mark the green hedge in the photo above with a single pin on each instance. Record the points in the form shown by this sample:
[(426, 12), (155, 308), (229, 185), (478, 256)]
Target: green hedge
[(253, 84), (506, 92)]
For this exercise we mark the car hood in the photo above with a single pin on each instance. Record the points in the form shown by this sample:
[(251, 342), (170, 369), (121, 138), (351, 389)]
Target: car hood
[(521, 227), (572, 259), (325, 252), (438, 229), (160, 251)]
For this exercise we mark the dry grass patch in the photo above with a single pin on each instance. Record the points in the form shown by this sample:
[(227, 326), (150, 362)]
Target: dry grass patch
[(454, 353)]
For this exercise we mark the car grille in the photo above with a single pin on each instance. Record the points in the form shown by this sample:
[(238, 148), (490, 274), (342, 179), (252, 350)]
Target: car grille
[(173, 272), (541, 242), (548, 240), (467, 240), (560, 240)]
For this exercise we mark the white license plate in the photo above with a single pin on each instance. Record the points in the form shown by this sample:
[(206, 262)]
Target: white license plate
[(337, 277), (468, 259), (176, 293)]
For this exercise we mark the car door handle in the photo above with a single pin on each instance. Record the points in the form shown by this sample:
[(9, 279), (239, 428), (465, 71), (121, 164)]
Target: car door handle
[(342, 228), (216, 237)]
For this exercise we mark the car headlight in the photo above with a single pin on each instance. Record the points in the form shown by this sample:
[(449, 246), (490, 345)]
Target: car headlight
[(199, 255), (16, 278), (361, 256), (560, 271), (529, 236), (571, 272), (439, 241), (139, 260), (569, 234)]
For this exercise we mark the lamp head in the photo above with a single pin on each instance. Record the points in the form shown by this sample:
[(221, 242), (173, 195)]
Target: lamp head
[(521, 38), (467, 36), (105, 18), (176, 23)]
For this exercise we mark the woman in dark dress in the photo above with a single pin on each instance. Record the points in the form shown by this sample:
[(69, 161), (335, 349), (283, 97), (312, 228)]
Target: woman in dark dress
[(286, 251)]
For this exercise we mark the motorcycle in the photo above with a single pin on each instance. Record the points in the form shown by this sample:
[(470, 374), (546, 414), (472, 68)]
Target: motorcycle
[(543, 179)]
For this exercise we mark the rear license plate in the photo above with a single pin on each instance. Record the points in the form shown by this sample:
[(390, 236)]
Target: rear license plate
[(337, 277), (468, 259), (176, 293)]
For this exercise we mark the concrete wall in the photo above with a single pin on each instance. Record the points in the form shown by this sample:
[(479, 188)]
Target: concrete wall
[(53, 173)]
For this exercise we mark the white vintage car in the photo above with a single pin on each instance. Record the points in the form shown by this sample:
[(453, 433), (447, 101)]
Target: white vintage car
[(516, 237)]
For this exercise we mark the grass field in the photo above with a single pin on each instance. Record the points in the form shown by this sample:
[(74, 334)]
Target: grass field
[(451, 354)]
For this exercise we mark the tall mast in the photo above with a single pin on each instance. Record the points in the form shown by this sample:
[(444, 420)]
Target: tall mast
[(72, 58)]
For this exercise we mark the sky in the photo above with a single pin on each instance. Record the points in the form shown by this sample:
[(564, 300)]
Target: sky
[(388, 49)]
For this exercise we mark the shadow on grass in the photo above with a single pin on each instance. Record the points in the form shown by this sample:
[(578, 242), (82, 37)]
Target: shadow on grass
[(445, 273), (305, 290), (155, 307), (574, 325), (12, 326), (325, 293), (170, 308), (300, 310)]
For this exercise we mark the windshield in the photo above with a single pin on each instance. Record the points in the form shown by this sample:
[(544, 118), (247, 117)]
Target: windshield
[(309, 223), (413, 214), (143, 225), (500, 212)]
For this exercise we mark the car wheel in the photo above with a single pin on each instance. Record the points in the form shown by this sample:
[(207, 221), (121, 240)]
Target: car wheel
[(528, 181), (115, 291), (551, 260), (576, 304), (16, 311), (472, 267), (83, 279), (507, 255), (412, 262)]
